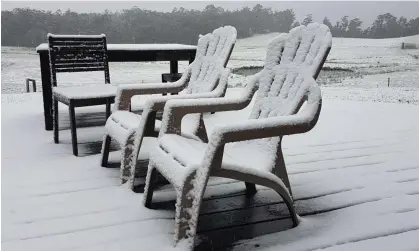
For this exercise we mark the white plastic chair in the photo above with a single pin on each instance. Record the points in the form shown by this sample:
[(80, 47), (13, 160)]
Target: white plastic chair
[(284, 85), (205, 77)]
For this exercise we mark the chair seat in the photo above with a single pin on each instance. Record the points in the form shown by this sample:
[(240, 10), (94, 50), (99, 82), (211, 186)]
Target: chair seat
[(177, 156), (93, 91), (121, 125)]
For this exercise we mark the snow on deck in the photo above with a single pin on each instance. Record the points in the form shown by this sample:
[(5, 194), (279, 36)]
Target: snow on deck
[(355, 179)]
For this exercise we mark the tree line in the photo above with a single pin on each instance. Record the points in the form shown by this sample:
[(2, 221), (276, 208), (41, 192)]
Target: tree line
[(385, 26), (29, 27)]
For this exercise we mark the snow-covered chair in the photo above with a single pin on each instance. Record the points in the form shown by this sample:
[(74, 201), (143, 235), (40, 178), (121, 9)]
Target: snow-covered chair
[(79, 53), (285, 85), (205, 77)]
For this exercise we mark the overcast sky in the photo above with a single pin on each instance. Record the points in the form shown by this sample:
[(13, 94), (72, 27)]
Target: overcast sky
[(366, 11)]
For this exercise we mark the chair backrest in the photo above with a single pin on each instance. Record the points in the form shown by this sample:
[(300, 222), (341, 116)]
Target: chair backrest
[(78, 53), (289, 56), (290, 87), (213, 50)]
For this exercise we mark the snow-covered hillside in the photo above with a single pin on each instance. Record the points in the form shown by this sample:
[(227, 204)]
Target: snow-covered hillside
[(365, 66), (352, 63)]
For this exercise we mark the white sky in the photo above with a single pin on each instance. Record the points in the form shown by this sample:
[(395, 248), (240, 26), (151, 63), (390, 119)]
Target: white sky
[(367, 11)]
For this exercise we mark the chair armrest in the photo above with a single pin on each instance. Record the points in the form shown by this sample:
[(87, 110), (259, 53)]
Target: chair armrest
[(175, 110), (158, 103), (301, 122), (125, 92)]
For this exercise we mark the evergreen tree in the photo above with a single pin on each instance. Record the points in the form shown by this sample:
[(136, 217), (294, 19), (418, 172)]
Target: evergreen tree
[(29, 27), (308, 19), (327, 22)]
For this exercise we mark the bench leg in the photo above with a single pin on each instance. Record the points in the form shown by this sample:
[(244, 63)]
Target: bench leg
[(73, 129), (56, 129)]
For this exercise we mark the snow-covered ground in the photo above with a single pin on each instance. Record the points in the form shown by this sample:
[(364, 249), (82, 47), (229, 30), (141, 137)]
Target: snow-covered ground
[(358, 168), (364, 65)]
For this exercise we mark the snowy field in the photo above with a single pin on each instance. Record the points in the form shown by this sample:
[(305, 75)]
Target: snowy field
[(356, 69)]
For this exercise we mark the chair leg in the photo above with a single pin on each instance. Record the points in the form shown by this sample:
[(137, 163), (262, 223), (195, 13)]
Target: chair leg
[(73, 129), (250, 188), (281, 171), (293, 213), (202, 131), (126, 159), (289, 202), (56, 128), (133, 147), (149, 185), (183, 212), (105, 150), (108, 109)]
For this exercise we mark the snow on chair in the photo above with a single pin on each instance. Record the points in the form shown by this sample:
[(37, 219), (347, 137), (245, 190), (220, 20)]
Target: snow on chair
[(79, 53), (284, 85), (205, 77)]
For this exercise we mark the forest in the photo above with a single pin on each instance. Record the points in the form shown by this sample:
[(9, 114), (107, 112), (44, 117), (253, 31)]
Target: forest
[(28, 27)]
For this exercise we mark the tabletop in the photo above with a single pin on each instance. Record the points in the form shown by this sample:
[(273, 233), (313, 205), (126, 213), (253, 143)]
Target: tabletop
[(136, 47)]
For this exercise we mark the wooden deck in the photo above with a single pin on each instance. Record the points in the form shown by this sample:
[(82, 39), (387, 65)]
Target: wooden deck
[(348, 161)]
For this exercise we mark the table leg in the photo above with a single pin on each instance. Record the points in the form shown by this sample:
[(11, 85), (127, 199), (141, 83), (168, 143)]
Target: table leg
[(191, 58), (174, 68), (46, 89)]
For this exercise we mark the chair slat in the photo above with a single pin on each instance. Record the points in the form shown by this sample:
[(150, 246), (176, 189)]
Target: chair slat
[(78, 47), (62, 58), (70, 43), (75, 61), (77, 50), (75, 65), (76, 39), (79, 69), (78, 56)]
